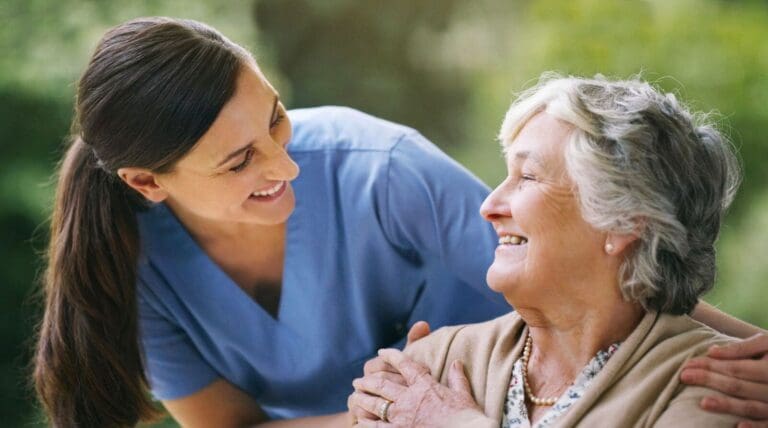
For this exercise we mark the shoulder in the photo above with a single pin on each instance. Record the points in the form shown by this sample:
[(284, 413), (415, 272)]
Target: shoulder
[(162, 237), (643, 378), (678, 404), (662, 343), (465, 342), (169, 257), (683, 334), (343, 128)]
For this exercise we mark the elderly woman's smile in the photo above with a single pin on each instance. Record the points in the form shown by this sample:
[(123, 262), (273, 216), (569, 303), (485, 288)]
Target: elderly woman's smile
[(543, 240)]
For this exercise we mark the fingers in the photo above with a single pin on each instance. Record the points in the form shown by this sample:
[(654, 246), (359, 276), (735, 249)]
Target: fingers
[(752, 347), (380, 384), (359, 413), (746, 408), (417, 331), (366, 402), (410, 369), (728, 385), (751, 370), (457, 379), (378, 365)]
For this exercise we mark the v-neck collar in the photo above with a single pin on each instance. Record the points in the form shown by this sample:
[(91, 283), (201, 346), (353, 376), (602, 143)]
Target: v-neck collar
[(184, 259)]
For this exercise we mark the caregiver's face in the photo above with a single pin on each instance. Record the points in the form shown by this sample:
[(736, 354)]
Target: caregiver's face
[(544, 243), (239, 171)]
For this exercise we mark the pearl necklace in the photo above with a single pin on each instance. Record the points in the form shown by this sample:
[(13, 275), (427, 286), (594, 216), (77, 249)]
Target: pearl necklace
[(546, 401)]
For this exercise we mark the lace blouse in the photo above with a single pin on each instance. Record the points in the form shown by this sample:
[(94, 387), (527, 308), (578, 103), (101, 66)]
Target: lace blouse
[(515, 412)]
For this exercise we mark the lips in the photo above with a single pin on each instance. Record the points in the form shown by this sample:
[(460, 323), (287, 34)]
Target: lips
[(270, 194), (271, 191)]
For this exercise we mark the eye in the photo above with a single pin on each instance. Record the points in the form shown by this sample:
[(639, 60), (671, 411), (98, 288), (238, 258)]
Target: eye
[(524, 179), (241, 166), (278, 120)]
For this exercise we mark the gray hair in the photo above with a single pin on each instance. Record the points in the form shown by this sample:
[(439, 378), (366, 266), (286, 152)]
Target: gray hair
[(643, 164)]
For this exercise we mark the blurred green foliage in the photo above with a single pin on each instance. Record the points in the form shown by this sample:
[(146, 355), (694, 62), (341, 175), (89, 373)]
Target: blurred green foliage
[(446, 67)]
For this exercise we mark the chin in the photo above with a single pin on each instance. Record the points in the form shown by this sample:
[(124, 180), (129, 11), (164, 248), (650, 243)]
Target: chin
[(498, 280), (271, 215), (272, 219)]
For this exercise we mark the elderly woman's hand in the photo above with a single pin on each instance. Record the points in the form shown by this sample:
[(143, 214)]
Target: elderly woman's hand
[(377, 367), (422, 401), (739, 370)]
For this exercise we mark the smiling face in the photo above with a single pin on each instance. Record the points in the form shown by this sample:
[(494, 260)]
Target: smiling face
[(239, 171), (546, 249)]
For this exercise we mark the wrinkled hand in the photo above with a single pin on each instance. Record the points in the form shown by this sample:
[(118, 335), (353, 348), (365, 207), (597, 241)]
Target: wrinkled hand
[(380, 369), (422, 401), (739, 370)]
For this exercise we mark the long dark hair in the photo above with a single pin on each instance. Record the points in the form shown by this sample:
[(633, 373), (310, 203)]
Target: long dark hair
[(151, 90)]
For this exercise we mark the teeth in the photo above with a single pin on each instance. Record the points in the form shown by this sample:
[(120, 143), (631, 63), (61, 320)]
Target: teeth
[(512, 240), (270, 192)]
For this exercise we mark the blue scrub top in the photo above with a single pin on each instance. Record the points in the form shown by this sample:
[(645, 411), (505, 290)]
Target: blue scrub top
[(386, 232)]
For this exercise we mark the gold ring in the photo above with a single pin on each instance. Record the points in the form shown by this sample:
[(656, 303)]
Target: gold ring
[(383, 410)]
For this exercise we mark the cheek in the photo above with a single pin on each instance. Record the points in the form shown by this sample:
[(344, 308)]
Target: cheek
[(209, 194)]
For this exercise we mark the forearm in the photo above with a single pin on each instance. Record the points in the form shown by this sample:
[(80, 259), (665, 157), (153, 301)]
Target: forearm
[(328, 421), (722, 322)]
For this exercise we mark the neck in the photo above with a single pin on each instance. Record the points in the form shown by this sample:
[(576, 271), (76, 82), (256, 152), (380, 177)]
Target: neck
[(569, 333), (571, 342)]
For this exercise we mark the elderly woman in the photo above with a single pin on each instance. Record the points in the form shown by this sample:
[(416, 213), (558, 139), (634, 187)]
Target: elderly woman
[(607, 223)]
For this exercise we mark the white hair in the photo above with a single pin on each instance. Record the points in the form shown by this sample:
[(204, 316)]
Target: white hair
[(641, 163)]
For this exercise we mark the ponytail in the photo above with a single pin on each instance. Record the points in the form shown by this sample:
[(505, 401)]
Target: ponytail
[(88, 366), (152, 89)]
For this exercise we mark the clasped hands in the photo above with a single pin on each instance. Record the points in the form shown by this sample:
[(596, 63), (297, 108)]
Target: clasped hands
[(739, 370), (416, 398)]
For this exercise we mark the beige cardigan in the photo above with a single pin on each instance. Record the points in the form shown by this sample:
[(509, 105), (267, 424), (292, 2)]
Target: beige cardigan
[(638, 387)]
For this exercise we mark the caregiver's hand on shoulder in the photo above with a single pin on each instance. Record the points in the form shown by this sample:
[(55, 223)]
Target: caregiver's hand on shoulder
[(739, 370), (422, 401)]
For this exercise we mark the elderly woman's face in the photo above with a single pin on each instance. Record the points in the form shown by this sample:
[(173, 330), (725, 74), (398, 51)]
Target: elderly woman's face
[(545, 246)]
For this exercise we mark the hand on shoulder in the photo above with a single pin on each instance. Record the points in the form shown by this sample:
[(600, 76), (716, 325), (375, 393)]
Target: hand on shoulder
[(739, 370)]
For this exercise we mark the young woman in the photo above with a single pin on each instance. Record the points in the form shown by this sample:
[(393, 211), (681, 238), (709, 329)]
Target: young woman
[(188, 255)]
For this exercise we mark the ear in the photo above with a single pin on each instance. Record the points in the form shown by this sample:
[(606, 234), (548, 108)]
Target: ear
[(143, 181), (616, 243)]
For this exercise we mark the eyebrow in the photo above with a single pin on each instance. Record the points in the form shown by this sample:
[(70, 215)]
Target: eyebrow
[(525, 155), (242, 149)]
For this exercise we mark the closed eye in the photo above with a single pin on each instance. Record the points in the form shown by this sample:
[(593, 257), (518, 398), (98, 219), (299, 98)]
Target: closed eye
[(241, 166), (278, 120)]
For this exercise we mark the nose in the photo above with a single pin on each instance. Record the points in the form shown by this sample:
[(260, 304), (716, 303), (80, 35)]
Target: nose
[(494, 207), (278, 163)]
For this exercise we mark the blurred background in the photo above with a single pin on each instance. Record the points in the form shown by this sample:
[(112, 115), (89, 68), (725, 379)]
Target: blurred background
[(448, 68)]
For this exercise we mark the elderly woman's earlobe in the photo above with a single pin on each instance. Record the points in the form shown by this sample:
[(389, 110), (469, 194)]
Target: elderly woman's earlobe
[(617, 243)]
